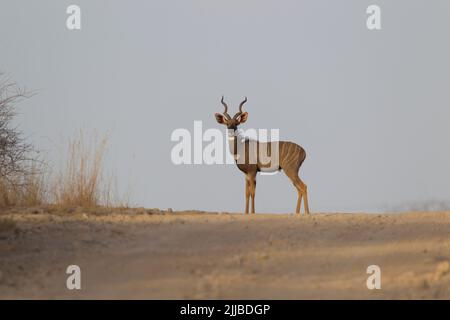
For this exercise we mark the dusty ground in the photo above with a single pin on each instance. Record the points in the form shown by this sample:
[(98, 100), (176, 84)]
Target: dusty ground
[(152, 254)]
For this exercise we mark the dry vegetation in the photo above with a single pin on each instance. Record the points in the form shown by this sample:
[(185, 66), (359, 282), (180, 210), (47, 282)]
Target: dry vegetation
[(26, 189), (82, 181), (28, 180), (19, 163)]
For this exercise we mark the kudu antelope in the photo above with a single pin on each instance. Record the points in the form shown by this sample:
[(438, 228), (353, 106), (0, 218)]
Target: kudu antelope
[(288, 157)]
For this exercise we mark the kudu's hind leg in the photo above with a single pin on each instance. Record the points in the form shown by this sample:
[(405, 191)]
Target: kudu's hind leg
[(301, 189), (304, 189), (299, 199)]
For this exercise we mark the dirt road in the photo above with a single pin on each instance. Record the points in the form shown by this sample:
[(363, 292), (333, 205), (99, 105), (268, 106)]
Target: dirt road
[(149, 254)]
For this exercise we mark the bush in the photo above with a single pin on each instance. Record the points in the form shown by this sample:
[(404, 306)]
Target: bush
[(20, 179)]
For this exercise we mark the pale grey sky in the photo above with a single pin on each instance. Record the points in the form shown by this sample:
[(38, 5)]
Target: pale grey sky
[(371, 108)]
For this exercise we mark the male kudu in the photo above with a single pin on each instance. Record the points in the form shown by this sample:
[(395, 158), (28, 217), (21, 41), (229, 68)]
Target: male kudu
[(288, 156)]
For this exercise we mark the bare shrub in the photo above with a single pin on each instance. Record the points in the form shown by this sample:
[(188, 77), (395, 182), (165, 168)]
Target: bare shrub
[(20, 179), (25, 189)]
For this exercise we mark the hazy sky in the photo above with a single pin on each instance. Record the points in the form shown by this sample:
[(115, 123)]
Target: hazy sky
[(371, 108)]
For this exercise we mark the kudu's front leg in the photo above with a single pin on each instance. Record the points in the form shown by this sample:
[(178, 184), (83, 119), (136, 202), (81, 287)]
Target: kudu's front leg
[(250, 190), (252, 193), (247, 194)]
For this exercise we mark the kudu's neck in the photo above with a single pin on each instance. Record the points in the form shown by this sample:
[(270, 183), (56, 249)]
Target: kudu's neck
[(236, 143)]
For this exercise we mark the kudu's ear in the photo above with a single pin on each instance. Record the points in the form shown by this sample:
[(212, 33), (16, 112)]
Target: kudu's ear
[(220, 118), (243, 117)]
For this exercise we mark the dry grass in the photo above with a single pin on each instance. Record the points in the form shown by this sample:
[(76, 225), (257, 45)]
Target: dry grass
[(34, 187), (25, 189), (81, 182)]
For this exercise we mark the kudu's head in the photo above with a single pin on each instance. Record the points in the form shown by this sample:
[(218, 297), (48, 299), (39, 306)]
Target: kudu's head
[(232, 123)]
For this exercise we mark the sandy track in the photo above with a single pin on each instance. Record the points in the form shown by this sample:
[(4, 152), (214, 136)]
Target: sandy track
[(146, 255)]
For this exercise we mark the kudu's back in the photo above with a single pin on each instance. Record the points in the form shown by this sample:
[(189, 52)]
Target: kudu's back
[(273, 156)]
